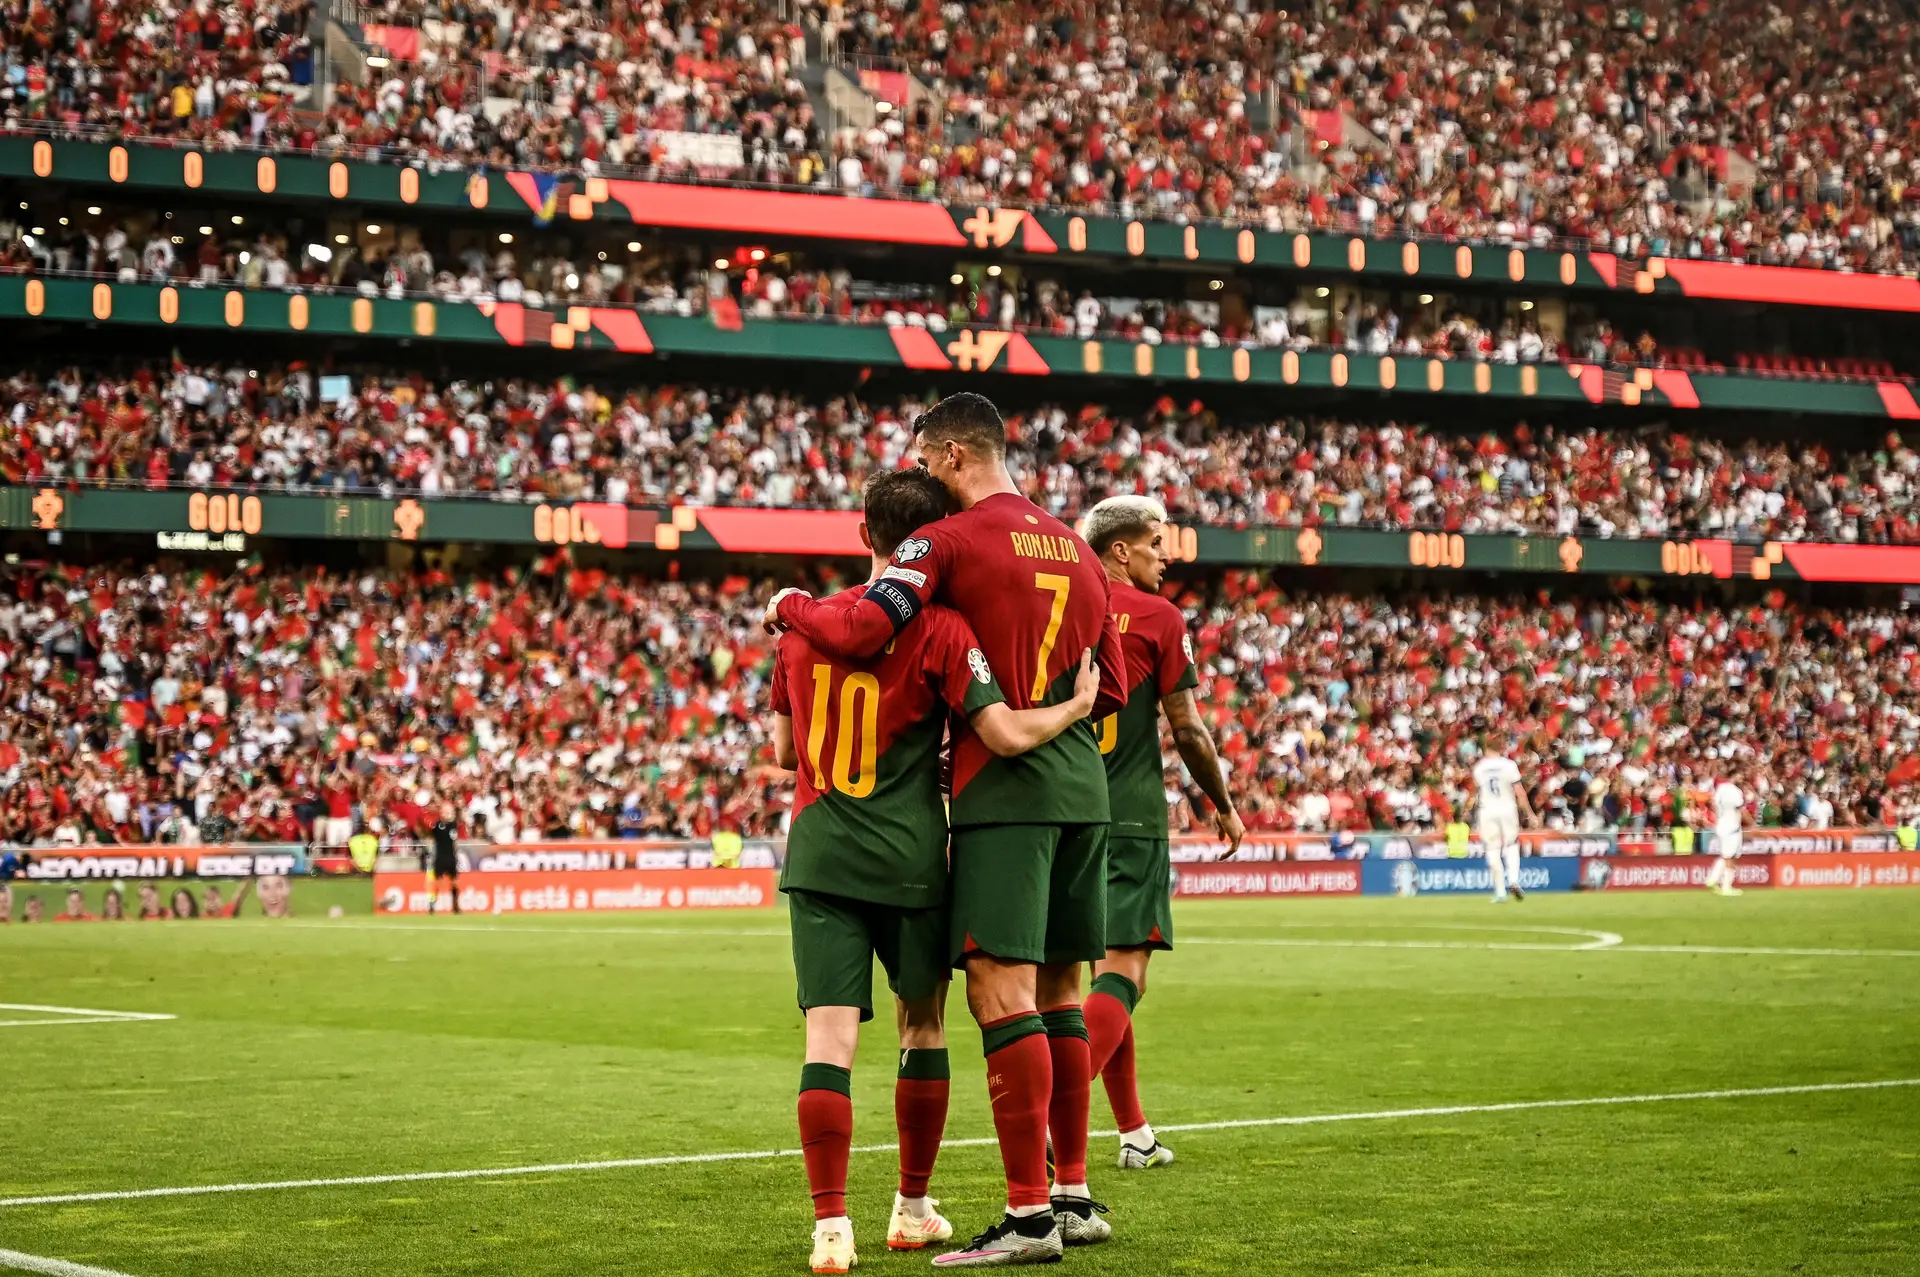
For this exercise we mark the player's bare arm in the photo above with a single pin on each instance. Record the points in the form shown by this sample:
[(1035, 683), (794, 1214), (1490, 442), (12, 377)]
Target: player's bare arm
[(1195, 743), (1008, 732)]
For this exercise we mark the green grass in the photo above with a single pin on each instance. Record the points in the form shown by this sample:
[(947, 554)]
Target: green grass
[(318, 1048)]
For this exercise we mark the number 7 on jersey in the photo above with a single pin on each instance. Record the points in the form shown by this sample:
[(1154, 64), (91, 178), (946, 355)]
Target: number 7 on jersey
[(1060, 585)]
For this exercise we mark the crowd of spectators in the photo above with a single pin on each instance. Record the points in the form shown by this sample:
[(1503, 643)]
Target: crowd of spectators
[(224, 74), (1758, 130), (552, 270), (164, 704), (519, 439), (170, 705), (1776, 131), (1352, 711), (685, 283)]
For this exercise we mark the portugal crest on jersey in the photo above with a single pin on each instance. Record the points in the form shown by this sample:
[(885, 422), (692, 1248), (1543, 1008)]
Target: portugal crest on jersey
[(977, 662), (913, 548)]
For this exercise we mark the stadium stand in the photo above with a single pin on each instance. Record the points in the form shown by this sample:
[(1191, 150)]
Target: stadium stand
[(143, 703), (266, 429), (1778, 133)]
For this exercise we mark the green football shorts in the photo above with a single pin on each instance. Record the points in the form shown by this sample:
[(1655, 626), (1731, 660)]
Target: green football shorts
[(836, 938), (1032, 893), (1139, 894)]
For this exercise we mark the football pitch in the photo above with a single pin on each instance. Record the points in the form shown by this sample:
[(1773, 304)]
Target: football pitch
[(1366, 1086)]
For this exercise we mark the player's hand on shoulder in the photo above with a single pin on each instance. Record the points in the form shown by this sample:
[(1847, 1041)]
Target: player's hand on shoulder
[(1232, 831), (771, 620), (1086, 683)]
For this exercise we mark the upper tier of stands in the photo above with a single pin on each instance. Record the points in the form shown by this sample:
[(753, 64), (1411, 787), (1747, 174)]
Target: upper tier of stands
[(1781, 132)]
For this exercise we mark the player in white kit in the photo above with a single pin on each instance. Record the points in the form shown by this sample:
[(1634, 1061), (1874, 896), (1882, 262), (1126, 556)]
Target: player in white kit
[(1496, 781), (1729, 819)]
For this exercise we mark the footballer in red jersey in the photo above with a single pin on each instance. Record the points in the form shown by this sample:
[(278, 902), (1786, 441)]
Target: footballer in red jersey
[(1128, 534), (866, 867), (1029, 844)]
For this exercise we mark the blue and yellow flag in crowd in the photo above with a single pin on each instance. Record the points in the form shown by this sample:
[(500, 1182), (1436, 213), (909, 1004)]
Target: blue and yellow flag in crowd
[(551, 195)]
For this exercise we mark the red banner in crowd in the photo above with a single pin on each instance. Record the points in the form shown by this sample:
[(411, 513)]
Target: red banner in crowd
[(1337, 878), (585, 891), (1884, 869)]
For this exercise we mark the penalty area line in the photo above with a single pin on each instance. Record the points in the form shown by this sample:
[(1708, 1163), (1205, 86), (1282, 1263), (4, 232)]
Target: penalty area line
[(55, 1267), (695, 1159)]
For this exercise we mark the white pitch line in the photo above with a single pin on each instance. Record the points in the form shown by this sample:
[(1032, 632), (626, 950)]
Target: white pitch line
[(56, 1267), (692, 1159), (62, 1023), (1771, 952), (1602, 941), (1493, 945), (59, 1017), (111, 1015)]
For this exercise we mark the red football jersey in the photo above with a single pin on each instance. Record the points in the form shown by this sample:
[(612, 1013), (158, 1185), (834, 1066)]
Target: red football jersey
[(1036, 595), (869, 817), (1159, 662)]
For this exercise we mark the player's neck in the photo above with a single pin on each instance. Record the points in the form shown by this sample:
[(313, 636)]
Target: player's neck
[(987, 481), (1116, 575), (880, 565)]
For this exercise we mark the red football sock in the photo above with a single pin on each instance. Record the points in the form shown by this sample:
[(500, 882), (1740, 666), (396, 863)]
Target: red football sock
[(920, 1110), (1072, 1089), (1107, 1023), (1020, 1085), (1123, 1088), (826, 1135)]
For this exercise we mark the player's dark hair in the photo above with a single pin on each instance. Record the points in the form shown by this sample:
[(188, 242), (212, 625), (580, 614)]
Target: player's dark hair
[(900, 503), (967, 419)]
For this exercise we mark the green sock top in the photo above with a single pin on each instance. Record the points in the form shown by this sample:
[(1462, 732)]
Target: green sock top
[(826, 1077), (1118, 987), (1065, 1022), (1004, 1033), (925, 1064)]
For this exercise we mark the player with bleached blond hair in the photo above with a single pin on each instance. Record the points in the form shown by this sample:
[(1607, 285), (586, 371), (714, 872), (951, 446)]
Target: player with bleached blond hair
[(1129, 533)]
